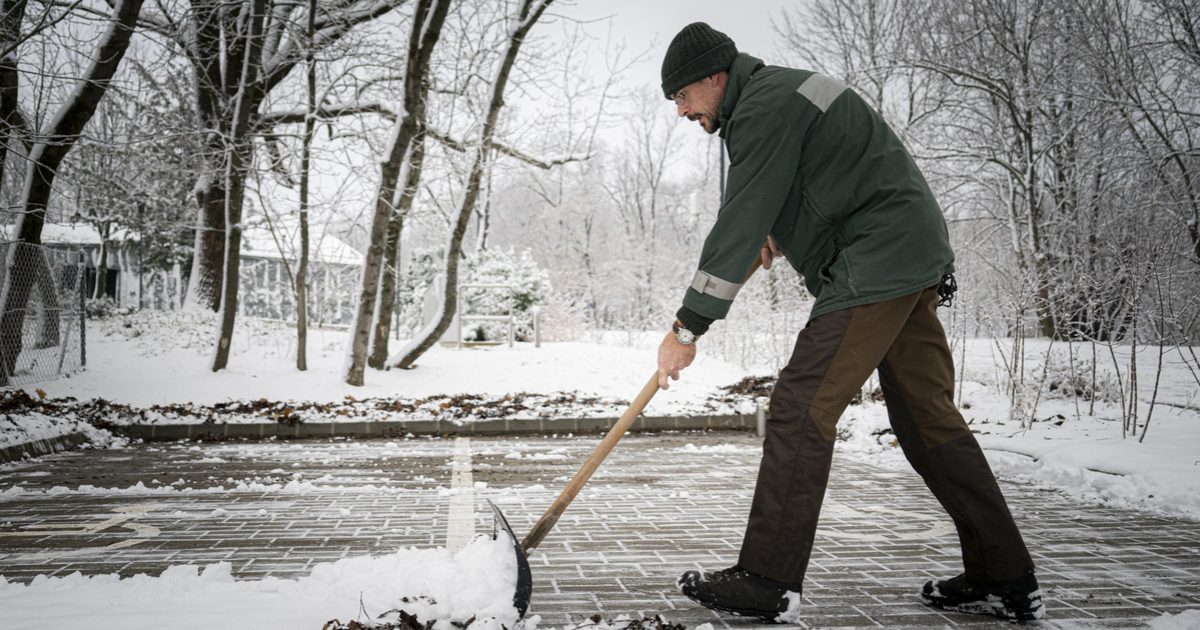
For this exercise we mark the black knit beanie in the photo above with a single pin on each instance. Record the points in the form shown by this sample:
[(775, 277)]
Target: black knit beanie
[(697, 51)]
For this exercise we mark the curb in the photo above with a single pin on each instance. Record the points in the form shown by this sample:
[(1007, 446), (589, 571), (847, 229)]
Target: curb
[(18, 452), (547, 426)]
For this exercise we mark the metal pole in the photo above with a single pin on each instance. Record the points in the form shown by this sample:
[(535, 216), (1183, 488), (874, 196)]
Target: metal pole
[(761, 416), (82, 311), (458, 316), (537, 327)]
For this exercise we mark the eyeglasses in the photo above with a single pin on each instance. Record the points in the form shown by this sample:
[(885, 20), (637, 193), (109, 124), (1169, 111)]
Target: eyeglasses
[(679, 96)]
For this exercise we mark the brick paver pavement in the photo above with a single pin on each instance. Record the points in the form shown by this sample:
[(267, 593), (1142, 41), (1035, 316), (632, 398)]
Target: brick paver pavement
[(659, 505)]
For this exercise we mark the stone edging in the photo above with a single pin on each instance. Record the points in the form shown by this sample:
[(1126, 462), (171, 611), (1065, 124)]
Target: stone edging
[(17, 452), (400, 428)]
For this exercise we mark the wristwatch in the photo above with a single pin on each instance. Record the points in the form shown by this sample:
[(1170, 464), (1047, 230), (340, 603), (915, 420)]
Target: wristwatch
[(682, 335)]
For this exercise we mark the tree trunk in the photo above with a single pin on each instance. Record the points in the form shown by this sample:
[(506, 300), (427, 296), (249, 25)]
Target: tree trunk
[(301, 287), (208, 254), (426, 29), (204, 281), (372, 265), (101, 271), (239, 157), (526, 18), (12, 125), (44, 159), (387, 287)]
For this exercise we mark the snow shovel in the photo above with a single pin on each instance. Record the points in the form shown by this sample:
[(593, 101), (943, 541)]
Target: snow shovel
[(546, 522)]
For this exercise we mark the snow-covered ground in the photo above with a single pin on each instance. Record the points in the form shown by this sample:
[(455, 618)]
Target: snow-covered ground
[(161, 358)]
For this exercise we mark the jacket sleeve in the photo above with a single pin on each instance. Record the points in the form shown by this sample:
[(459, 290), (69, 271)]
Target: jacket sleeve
[(764, 156)]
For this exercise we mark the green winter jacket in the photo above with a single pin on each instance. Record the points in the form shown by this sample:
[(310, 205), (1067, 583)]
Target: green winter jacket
[(813, 165)]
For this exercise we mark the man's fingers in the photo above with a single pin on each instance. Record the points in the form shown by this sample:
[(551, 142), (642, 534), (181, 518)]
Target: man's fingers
[(675, 375), (765, 253), (662, 380)]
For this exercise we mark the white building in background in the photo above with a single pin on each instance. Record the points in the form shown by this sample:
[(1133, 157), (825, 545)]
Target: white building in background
[(124, 284), (266, 286)]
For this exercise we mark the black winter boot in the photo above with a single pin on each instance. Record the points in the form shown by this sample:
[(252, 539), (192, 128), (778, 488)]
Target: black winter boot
[(737, 591), (1015, 600)]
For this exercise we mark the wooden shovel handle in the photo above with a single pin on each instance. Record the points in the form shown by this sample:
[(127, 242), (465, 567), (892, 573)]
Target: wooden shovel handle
[(546, 523)]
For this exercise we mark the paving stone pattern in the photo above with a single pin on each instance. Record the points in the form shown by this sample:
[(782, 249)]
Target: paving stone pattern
[(659, 505)]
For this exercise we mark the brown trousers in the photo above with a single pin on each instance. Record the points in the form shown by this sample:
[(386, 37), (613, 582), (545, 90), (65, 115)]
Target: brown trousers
[(834, 355)]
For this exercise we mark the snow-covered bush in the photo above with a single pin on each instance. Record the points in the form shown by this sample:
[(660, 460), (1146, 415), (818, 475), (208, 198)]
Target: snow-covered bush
[(104, 307), (531, 288), (420, 268), (1067, 380)]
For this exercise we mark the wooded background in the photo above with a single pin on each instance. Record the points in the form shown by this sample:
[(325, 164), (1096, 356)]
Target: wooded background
[(1060, 137)]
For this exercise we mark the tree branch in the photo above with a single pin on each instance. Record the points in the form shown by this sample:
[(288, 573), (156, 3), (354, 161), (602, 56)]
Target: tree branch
[(461, 147), (293, 116)]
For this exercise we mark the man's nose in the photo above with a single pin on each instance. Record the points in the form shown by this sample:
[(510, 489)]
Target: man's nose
[(680, 110)]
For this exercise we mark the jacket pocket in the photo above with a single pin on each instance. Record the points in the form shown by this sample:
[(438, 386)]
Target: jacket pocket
[(838, 274), (847, 271)]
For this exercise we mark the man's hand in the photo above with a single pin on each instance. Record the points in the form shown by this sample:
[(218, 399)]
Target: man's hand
[(769, 252), (673, 357)]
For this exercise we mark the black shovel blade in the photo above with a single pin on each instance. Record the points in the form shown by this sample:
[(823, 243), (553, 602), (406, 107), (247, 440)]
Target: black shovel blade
[(524, 578)]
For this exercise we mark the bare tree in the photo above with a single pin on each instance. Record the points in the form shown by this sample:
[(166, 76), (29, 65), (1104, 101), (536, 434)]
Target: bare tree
[(214, 40), (45, 156), (641, 193), (300, 282), (426, 29), (236, 159), (528, 13)]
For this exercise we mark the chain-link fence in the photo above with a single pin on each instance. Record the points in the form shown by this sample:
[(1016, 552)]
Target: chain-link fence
[(42, 328)]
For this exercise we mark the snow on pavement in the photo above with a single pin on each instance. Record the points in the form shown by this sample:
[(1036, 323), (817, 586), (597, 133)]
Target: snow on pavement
[(160, 358), (479, 581)]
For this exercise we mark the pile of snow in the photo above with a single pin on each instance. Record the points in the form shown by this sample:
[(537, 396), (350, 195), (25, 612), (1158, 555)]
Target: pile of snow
[(1186, 620), (478, 581), (24, 426)]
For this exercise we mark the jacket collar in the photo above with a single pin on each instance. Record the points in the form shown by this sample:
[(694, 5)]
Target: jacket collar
[(744, 66)]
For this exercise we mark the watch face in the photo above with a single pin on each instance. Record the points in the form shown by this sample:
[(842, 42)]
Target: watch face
[(684, 336)]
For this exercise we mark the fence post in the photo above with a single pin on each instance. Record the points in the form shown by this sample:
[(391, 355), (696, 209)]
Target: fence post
[(82, 309), (537, 327), (761, 419)]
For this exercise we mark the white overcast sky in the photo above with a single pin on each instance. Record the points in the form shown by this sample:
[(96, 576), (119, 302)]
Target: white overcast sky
[(652, 23)]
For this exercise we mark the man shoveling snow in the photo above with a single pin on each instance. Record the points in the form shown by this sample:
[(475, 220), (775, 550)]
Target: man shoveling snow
[(817, 176)]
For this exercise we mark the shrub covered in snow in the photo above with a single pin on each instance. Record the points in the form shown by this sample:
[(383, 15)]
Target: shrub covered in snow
[(104, 307), (1067, 379), (156, 332), (531, 288), (421, 266)]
